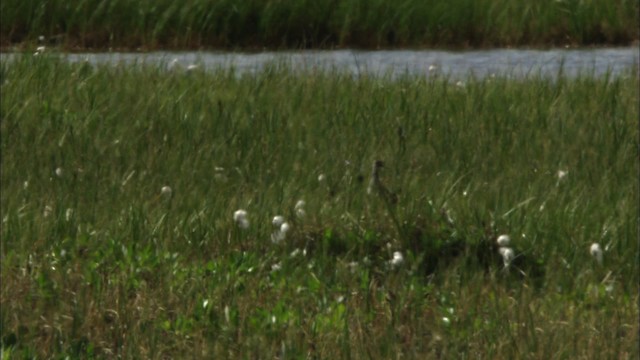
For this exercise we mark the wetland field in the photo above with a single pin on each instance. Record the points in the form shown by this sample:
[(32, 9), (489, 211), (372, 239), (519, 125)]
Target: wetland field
[(154, 213)]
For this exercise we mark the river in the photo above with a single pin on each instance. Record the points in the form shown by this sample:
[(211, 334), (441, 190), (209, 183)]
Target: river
[(515, 63)]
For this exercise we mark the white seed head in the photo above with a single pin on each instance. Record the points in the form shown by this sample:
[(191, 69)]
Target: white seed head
[(322, 177), (240, 217), (507, 255), (59, 172), (239, 214), (226, 313), (299, 209), (397, 259), (277, 237), (277, 220), (166, 190), (47, 211), (432, 67), (192, 67), (596, 252), (284, 228), (173, 63), (446, 320), (276, 267), (68, 214), (562, 174), (503, 240), (25, 185), (295, 252)]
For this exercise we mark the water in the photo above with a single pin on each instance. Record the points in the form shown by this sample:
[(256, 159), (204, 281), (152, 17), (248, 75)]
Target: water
[(453, 64)]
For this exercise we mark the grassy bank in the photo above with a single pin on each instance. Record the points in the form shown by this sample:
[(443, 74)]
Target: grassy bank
[(119, 186), (194, 24)]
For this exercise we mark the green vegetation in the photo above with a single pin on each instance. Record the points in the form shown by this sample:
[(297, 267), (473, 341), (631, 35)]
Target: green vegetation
[(99, 261), (193, 24)]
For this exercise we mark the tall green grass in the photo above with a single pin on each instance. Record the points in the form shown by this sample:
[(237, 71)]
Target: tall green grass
[(131, 272), (328, 23)]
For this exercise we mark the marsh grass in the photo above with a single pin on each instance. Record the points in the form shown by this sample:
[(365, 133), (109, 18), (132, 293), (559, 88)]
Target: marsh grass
[(137, 274), (312, 24)]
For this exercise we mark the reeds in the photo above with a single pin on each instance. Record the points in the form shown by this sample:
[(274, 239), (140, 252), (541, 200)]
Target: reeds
[(272, 24)]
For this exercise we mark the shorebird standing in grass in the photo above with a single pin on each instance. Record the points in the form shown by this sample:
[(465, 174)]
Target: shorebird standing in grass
[(389, 198), (377, 187)]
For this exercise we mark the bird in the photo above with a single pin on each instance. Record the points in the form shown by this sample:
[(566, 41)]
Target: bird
[(376, 186)]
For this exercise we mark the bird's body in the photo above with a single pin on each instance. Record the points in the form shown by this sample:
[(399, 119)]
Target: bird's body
[(376, 186)]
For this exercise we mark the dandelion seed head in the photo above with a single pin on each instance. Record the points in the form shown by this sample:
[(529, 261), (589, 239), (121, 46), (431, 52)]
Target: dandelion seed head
[(503, 240), (276, 267), (397, 259), (59, 172), (322, 177), (284, 228), (507, 255), (239, 214), (166, 191), (240, 217), (68, 214), (596, 252), (277, 220), (562, 174), (299, 209), (446, 320)]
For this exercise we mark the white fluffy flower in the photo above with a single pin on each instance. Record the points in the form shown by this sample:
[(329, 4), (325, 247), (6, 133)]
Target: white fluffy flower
[(281, 233), (277, 220), (59, 172), (240, 217), (503, 240), (596, 252), (562, 174), (397, 259), (276, 267), (166, 191), (299, 209), (507, 255)]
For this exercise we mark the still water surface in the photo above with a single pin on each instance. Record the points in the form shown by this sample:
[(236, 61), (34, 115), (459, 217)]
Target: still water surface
[(452, 64)]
